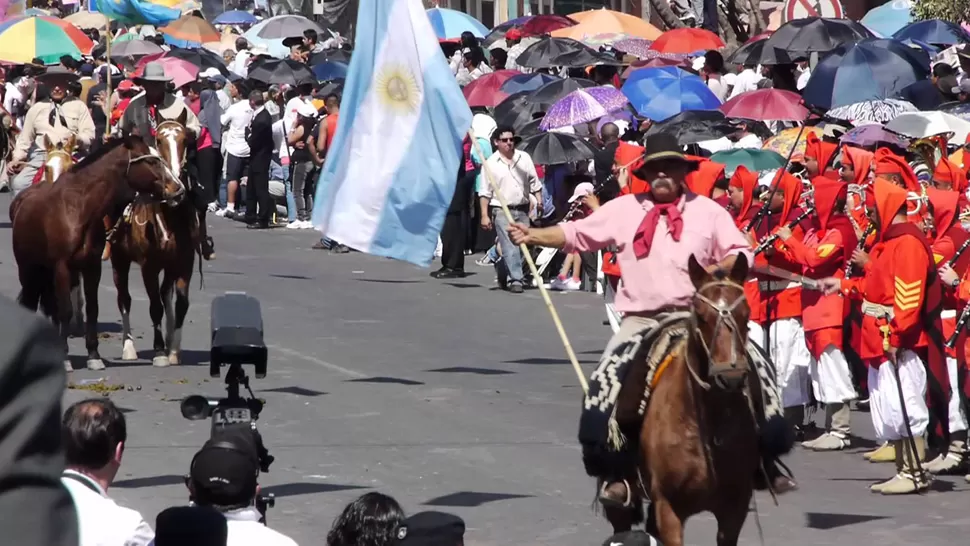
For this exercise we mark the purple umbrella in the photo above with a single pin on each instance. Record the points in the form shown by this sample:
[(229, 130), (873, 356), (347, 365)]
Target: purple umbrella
[(638, 47), (577, 107), (873, 135), (610, 97)]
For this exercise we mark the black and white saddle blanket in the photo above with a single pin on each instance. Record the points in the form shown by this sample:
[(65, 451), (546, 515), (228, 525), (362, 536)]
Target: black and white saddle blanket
[(598, 424)]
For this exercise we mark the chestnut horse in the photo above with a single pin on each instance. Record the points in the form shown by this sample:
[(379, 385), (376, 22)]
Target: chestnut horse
[(58, 229), (699, 437), (162, 238), (58, 158)]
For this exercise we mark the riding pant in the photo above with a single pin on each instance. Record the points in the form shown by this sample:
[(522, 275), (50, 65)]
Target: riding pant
[(23, 180)]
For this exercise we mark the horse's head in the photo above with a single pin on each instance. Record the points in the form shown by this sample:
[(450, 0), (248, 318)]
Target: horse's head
[(719, 323), (59, 157), (149, 173), (170, 140)]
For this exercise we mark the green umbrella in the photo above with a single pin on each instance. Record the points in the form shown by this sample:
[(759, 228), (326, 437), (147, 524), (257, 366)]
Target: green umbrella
[(126, 37), (752, 158)]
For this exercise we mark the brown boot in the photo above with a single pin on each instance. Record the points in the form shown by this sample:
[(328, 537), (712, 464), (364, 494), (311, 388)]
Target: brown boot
[(106, 253), (616, 494)]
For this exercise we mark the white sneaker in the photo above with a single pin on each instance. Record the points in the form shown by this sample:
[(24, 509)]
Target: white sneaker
[(295, 224), (306, 225), (222, 212), (572, 285), (213, 206), (557, 284)]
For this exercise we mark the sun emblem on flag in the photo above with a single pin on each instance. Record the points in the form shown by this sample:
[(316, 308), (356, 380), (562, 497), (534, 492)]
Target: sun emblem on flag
[(398, 89)]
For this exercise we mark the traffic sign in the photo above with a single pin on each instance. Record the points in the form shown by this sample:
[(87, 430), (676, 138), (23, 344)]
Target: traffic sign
[(800, 9)]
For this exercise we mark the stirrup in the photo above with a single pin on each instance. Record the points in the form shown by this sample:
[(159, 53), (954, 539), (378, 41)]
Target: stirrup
[(605, 500)]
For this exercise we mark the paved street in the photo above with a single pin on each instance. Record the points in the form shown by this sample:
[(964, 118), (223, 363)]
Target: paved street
[(447, 395)]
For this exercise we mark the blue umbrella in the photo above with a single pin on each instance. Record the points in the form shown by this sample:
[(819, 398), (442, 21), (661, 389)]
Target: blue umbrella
[(449, 24), (872, 69), (330, 70), (526, 82), (235, 17), (663, 92), (933, 31), (887, 19)]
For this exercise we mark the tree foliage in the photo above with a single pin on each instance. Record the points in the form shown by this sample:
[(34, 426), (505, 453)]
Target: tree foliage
[(948, 10)]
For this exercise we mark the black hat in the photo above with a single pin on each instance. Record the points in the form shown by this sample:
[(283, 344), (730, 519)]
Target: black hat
[(661, 146), (292, 41), (224, 471), (431, 529), (631, 538), (191, 526)]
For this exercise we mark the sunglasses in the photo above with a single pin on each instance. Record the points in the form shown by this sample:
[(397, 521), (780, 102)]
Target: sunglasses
[(507, 139)]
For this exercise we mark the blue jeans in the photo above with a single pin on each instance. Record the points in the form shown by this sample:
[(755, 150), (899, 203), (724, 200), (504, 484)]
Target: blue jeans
[(279, 172), (510, 251)]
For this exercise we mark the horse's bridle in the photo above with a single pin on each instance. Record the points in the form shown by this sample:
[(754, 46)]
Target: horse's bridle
[(145, 157), (725, 319)]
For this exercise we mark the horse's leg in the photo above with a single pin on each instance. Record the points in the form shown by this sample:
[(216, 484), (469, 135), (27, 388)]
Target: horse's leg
[(77, 308), (181, 309), (669, 524), (730, 520), (168, 301), (92, 280), (121, 266), (62, 316), (156, 309), (31, 290)]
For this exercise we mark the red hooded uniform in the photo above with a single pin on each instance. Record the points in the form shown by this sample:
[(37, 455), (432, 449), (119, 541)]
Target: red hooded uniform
[(950, 237), (824, 253), (890, 163), (631, 156), (948, 173), (703, 180), (747, 181), (822, 152)]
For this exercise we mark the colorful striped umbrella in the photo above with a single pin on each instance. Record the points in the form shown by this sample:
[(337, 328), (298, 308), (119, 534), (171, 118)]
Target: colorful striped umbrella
[(784, 141), (449, 24), (47, 38)]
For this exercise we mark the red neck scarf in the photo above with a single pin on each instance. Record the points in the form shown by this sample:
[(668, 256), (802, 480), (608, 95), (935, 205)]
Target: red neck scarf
[(643, 238)]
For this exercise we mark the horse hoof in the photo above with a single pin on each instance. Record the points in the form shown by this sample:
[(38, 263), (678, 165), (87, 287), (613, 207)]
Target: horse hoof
[(129, 352), (67, 366), (173, 359), (160, 361), (95, 364)]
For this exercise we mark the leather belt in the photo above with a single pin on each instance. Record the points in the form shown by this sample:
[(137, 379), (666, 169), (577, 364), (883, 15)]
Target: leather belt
[(948, 314), (876, 310), (777, 286)]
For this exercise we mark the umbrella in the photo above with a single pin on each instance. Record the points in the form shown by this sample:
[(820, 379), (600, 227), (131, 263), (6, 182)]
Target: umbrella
[(888, 18), (817, 34), (37, 11), (606, 39), (528, 129), (486, 91), (656, 62), (784, 141), (527, 82), (180, 70), (544, 24), (693, 126), (285, 26), (88, 19), (872, 111), (753, 53), (544, 53), (330, 88), (282, 71), (517, 111), (868, 70), (927, 124), (498, 33), (126, 37), (330, 71), (136, 48), (47, 38), (586, 57), (449, 24), (557, 89), (330, 55), (958, 109), (226, 42), (687, 40), (580, 106), (766, 105), (752, 159), (660, 93), (203, 59), (873, 135), (236, 17), (933, 31), (638, 47), (599, 21), (610, 97), (189, 31), (556, 148)]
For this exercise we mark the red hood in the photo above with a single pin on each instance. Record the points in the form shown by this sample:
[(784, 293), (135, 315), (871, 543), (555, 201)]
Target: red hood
[(747, 181), (889, 163), (826, 193), (889, 199), (945, 204), (860, 160)]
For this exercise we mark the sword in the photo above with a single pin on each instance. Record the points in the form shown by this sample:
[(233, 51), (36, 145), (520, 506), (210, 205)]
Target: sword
[(780, 273)]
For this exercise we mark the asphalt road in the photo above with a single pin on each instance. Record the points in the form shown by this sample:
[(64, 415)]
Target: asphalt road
[(449, 396)]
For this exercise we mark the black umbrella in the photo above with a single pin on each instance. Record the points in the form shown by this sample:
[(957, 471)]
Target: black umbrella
[(585, 57), (549, 93), (557, 148), (693, 126), (135, 48), (330, 55), (515, 111), (529, 129), (282, 71), (543, 53), (816, 34), (202, 58), (755, 52)]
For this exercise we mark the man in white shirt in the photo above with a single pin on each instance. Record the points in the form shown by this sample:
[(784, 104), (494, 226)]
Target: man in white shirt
[(237, 117), (94, 434), (241, 62), (747, 80)]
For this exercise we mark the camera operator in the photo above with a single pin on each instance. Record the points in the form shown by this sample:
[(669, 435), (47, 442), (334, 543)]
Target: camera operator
[(224, 476), (94, 435)]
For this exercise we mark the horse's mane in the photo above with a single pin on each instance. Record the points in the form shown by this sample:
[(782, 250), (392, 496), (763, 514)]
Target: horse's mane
[(108, 147)]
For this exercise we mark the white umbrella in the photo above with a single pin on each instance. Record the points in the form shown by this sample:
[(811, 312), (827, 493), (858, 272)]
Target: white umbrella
[(872, 111), (927, 124), (88, 19)]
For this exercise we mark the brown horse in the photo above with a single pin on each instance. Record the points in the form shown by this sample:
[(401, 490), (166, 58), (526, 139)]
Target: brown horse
[(58, 232), (59, 157), (699, 440), (162, 238)]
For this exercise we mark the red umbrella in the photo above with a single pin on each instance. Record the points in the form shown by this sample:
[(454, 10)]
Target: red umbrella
[(544, 24), (686, 40), (766, 105), (654, 63), (763, 36), (485, 90), (180, 70)]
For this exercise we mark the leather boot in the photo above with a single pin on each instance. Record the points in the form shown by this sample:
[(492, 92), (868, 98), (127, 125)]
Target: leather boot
[(886, 453), (897, 451), (795, 415), (207, 246), (106, 253), (837, 437), (912, 479), (954, 459)]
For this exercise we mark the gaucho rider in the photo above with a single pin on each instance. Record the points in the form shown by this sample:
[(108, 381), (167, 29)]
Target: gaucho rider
[(656, 232), (158, 103)]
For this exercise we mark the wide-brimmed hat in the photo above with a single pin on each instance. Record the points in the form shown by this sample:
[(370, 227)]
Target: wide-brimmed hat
[(663, 146), (153, 72), (58, 73)]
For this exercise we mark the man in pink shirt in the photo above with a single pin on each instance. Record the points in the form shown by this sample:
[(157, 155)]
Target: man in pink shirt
[(656, 232)]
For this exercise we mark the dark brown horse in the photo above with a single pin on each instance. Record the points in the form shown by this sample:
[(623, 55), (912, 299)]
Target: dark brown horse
[(58, 231), (699, 441), (162, 238)]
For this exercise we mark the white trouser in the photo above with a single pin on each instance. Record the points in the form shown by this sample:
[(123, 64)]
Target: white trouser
[(958, 420), (790, 355), (831, 379), (884, 406)]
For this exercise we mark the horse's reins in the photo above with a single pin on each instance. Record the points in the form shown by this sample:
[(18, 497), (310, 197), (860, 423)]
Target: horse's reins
[(725, 319)]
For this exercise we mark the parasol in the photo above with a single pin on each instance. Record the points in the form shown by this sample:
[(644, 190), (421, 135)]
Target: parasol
[(752, 159), (766, 105), (783, 142), (47, 38), (577, 107), (686, 40), (553, 148), (873, 135), (189, 31), (872, 111), (660, 93), (448, 24)]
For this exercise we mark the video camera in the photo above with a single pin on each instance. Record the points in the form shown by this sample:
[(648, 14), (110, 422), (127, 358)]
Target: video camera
[(236, 324)]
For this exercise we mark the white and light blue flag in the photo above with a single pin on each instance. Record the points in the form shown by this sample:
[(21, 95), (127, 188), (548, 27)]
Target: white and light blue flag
[(392, 167)]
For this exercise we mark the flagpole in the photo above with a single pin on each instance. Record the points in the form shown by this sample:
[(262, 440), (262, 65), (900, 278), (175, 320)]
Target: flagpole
[(497, 193), (107, 87)]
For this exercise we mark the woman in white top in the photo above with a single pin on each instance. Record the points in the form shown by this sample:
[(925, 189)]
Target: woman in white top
[(713, 72), (473, 67)]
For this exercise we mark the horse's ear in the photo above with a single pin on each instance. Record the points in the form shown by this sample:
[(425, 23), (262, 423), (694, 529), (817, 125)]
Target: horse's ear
[(739, 272), (47, 142), (698, 275), (183, 116)]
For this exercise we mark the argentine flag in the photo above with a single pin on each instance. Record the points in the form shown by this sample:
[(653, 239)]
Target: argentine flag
[(392, 167)]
